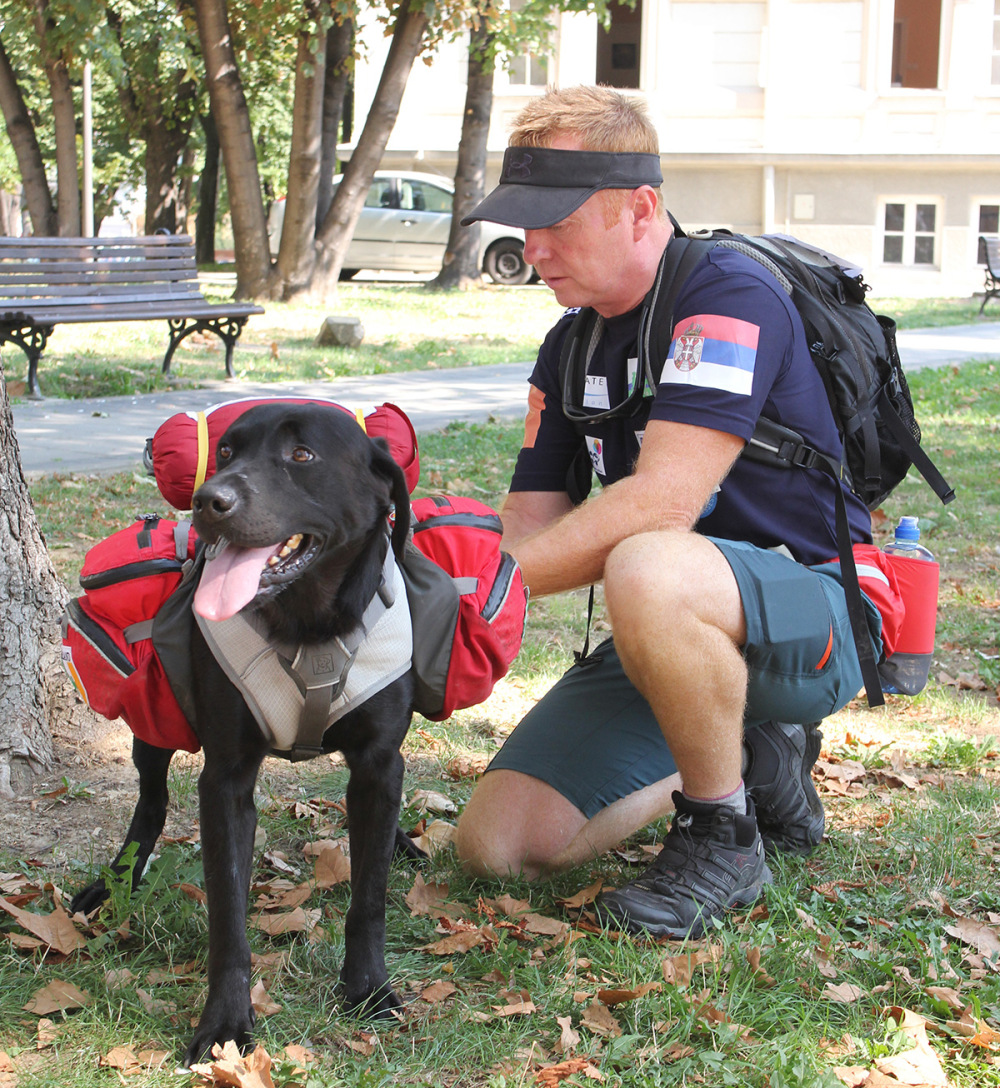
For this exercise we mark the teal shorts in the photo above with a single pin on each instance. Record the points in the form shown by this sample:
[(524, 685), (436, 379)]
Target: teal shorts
[(594, 738)]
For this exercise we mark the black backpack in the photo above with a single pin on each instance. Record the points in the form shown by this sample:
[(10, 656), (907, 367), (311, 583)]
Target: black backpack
[(855, 354)]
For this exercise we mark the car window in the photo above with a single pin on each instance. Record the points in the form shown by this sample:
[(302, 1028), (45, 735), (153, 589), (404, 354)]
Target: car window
[(418, 196), (380, 194)]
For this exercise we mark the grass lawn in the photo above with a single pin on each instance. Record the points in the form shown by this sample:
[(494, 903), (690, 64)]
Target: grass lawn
[(406, 328), (880, 952)]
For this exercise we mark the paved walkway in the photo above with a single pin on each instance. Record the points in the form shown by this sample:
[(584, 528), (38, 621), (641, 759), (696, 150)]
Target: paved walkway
[(108, 434)]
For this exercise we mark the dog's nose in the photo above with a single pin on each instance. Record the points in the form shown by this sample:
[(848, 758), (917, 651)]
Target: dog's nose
[(214, 501)]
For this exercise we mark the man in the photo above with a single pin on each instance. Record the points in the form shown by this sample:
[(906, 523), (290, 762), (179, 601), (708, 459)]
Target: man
[(714, 630)]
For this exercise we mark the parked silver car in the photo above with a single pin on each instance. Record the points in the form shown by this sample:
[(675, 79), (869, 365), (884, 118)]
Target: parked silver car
[(404, 227)]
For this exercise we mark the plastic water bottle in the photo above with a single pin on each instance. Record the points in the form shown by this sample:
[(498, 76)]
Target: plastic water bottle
[(905, 671)]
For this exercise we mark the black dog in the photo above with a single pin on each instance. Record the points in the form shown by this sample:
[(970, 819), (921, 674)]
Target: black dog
[(304, 483)]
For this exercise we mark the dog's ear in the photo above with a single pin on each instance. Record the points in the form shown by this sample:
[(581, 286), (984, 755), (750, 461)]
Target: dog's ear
[(384, 465)]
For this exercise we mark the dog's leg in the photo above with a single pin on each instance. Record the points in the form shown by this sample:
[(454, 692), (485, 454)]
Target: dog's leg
[(373, 796), (228, 823), (147, 823)]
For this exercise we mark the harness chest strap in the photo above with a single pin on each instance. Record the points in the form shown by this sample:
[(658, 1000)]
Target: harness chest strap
[(297, 693)]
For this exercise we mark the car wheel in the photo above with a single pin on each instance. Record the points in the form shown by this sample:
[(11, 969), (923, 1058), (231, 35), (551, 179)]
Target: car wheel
[(349, 273), (504, 263)]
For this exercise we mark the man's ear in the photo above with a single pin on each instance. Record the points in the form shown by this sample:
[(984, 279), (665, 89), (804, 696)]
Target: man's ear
[(644, 205)]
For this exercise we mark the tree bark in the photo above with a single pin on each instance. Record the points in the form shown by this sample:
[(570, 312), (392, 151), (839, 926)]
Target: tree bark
[(338, 226), (460, 267), (165, 141), (339, 50), (297, 252), (232, 117), (208, 195), (21, 133), (64, 116), (31, 601)]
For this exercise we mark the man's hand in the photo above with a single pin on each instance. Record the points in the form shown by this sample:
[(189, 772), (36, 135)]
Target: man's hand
[(561, 548)]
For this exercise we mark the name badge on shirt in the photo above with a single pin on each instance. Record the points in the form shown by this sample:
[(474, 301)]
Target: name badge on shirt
[(595, 447), (595, 395)]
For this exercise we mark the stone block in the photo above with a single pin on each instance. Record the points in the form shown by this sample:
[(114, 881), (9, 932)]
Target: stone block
[(340, 331)]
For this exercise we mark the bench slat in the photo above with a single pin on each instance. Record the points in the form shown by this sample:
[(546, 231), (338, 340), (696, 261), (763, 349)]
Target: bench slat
[(66, 293), (153, 240), (81, 271), (48, 257), (152, 311), (34, 306)]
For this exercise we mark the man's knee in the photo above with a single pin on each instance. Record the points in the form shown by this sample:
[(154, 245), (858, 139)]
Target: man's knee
[(513, 826)]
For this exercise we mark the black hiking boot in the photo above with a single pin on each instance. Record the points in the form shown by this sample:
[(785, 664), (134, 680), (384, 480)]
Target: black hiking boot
[(712, 859), (780, 758)]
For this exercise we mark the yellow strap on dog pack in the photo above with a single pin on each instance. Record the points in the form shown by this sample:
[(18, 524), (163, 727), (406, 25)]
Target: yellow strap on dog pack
[(202, 470), (359, 415)]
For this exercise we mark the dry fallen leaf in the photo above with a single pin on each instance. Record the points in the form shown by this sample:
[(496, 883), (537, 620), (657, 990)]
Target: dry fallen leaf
[(46, 1034), (678, 970), (854, 1076), (120, 1057), (432, 801), (619, 997), (425, 898), (982, 937), (947, 994), (437, 835), (262, 1002), (568, 1038), (546, 927), (508, 905), (55, 929), (582, 898), (549, 1076), (466, 766), (332, 867), (296, 921), (437, 991), (56, 996), (463, 941), (230, 1069), (597, 1019), (761, 977), (844, 992)]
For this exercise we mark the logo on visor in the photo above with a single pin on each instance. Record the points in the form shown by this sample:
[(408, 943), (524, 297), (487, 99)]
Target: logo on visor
[(690, 344), (520, 168)]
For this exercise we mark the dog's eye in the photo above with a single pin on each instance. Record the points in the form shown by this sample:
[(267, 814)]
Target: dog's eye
[(224, 452), (301, 454)]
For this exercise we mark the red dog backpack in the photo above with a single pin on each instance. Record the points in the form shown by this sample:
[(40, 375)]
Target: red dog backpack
[(181, 455), (107, 632), (468, 623)]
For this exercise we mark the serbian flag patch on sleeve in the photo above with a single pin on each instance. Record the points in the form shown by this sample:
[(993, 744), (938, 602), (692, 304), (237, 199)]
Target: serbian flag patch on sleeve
[(714, 352)]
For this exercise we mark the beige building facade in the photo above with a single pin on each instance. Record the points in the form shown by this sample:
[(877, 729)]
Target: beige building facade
[(869, 127)]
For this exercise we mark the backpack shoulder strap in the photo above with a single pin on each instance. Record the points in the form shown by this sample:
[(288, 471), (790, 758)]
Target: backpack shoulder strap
[(657, 322)]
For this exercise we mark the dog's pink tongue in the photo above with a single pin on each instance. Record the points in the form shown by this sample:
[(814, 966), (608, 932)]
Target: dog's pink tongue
[(230, 581)]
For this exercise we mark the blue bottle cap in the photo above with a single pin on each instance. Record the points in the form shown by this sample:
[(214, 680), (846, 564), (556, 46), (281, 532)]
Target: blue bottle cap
[(908, 529)]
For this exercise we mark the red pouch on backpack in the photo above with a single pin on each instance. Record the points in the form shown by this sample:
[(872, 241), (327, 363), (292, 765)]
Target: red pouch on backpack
[(107, 647), (468, 605), (181, 455)]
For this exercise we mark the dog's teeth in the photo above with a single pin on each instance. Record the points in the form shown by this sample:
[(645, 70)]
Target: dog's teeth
[(285, 551), (273, 561), (293, 541)]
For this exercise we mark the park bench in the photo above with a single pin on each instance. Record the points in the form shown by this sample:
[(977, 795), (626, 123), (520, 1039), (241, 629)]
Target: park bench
[(46, 282), (991, 249)]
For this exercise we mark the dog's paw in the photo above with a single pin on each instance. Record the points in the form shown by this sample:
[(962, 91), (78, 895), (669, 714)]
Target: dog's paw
[(383, 1003), (405, 849), (89, 899), (219, 1028)]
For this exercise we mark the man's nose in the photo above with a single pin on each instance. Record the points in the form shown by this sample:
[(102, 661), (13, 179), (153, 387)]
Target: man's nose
[(535, 248)]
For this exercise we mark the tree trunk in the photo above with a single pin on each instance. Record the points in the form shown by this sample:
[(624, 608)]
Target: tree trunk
[(10, 212), (208, 195), (165, 141), (338, 226), (229, 108), (297, 253), (21, 133), (185, 187), (339, 50), (460, 267), (64, 116), (31, 601)]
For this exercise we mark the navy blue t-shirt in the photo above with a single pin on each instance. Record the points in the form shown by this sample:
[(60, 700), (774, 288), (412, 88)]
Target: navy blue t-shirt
[(737, 351)]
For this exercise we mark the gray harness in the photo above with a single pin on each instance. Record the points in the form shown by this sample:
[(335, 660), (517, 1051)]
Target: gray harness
[(297, 692)]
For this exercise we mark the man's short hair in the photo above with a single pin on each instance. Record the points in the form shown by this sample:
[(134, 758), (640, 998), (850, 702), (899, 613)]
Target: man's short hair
[(602, 119)]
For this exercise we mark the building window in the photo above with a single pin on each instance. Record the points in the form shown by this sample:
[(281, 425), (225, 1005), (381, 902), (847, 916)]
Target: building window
[(995, 80), (526, 69), (916, 42), (989, 225), (618, 47), (910, 232)]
